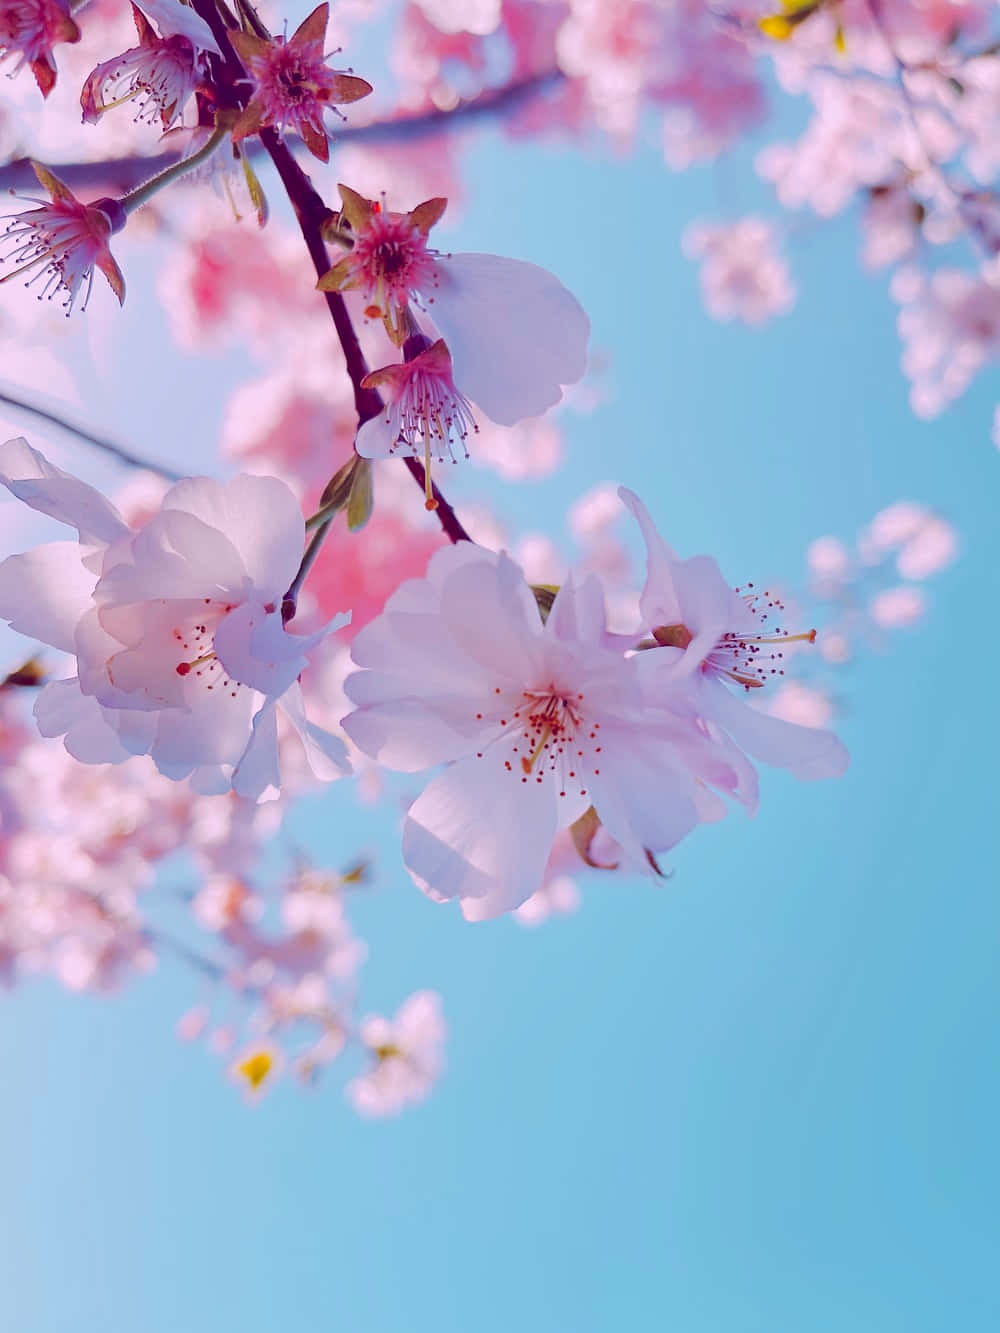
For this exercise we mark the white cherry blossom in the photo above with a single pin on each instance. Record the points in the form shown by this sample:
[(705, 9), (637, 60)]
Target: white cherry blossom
[(176, 626)]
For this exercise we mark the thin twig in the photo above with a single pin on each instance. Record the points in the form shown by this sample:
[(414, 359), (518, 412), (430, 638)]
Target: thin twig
[(98, 441)]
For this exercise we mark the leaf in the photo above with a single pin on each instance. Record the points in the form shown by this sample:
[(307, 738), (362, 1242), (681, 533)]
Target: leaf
[(362, 497)]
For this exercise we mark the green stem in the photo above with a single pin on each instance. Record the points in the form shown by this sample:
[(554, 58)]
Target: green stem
[(289, 603), (135, 198)]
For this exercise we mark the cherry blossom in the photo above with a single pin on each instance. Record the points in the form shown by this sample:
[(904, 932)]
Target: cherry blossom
[(515, 335), (425, 414), (159, 75), (177, 626), (537, 723), (742, 275), (708, 637), (291, 84), (405, 1054), (63, 241), (30, 29)]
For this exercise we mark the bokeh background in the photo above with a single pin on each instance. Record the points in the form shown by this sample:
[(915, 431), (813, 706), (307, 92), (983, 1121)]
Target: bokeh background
[(760, 1095)]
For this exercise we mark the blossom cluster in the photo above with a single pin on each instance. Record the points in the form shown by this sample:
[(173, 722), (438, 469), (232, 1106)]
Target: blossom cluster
[(202, 653)]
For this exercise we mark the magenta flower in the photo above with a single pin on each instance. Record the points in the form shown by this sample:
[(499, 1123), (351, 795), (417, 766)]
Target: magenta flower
[(30, 29), (63, 241), (159, 75), (292, 85)]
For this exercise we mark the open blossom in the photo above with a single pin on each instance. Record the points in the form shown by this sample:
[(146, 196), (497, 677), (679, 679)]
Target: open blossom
[(536, 722), (406, 1057), (30, 29), (63, 241), (292, 86), (425, 413), (159, 74), (710, 638), (176, 626), (516, 336)]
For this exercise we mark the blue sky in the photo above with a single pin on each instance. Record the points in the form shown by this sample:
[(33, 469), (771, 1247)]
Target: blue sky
[(760, 1096)]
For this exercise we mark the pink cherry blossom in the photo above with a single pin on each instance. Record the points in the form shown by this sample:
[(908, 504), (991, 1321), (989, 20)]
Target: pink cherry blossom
[(894, 608), (177, 626), (425, 414), (29, 29), (158, 75), (515, 335), (63, 241), (405, 1054), (742, 274), (709, 637), (536, 722), (291, 83)]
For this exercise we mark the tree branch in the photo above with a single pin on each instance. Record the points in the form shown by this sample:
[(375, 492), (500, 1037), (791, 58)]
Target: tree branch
[(98, 441), (117, 175)]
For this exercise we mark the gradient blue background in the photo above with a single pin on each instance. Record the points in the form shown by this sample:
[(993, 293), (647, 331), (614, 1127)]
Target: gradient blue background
[(761, 1096)]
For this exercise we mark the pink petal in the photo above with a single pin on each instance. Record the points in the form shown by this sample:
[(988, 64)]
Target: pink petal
[(32, 478), (261, 518), (807, 752), (45, 592), (458, 842)]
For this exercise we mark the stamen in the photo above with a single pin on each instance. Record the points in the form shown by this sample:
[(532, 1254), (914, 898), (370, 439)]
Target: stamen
[(184, 668)]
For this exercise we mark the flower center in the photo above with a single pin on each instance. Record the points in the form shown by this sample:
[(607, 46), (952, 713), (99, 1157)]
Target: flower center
[(390, 260), (203, 664), (551, 739)]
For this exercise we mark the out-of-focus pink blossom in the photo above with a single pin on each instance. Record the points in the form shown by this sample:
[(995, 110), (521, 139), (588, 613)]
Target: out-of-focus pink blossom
[(742, 274), (949, 322), (896, 607), (406, 1057), (801, 704)]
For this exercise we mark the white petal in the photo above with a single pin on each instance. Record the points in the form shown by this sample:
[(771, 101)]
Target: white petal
[(378, 437), (61, 710), (642, 799), (478, 832), (177, 556), (326, 754), (515, 334), (45, 592), (32, 478), (807, 752), (259, 515), (257, 772), (256, 649), (176, 20)]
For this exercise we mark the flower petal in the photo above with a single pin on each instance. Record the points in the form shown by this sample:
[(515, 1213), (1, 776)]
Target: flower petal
[(807, 752), (459, 839), (259, 515), (45, 592), (32, 478), (515, 333)]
